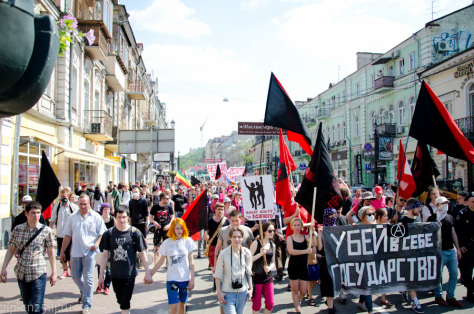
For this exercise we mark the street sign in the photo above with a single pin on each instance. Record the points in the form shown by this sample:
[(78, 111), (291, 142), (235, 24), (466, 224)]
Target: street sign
[(368, 167), (162, 157), (138, 141), (302, 167), (368, 147), (117, 159), (256, 128)]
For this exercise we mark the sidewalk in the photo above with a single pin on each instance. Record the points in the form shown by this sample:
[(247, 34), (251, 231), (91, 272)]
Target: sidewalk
[(62, 297)]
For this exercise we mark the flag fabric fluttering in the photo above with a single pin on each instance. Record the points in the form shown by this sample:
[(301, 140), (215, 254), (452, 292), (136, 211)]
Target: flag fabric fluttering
[(406, 183), (182, 179), (433, 125), (280, 112), (218, 172), (195, 216), (194, 181), (48, 186), (283, 191), (423, 169), (319, 174), (123, 164)]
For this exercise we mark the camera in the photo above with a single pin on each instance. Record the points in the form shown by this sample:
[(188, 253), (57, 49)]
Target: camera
[(236, 285)]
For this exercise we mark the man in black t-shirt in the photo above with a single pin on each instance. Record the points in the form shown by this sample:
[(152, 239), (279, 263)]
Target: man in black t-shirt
[(123, 242), (161, 215), (180, 200), (138, 211), (450, 252)]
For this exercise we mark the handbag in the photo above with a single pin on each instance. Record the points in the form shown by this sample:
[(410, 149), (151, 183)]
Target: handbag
[(221, 224)]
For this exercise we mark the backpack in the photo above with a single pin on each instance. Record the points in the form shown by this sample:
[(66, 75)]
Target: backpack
[(57, 210)]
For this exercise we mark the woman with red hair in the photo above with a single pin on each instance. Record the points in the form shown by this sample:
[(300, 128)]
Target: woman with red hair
[(178, 251)]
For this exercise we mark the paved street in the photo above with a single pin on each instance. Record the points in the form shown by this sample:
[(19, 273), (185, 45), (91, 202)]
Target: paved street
[(152, 299)]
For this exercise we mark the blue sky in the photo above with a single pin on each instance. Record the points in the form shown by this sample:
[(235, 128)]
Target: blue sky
[(203, 51)]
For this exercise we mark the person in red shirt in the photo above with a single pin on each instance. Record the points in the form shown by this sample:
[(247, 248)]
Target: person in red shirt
[(379, 201)]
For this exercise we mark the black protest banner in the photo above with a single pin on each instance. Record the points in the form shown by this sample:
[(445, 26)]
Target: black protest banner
[(369, 259)]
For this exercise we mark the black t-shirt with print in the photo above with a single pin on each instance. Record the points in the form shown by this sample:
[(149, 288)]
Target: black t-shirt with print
[(123, 246), (162, 214)]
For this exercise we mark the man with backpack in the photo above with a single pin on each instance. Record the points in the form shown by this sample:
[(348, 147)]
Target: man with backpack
[(123, 242), (59, 216)]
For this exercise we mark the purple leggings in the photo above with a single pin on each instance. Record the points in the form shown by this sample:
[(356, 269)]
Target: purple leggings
[(267, 290)]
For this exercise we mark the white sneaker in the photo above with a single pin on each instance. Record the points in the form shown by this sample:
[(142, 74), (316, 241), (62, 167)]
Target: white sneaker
[(86, 310)]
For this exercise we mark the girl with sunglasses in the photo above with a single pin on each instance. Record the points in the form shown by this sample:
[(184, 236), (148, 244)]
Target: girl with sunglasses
[(262, 276)]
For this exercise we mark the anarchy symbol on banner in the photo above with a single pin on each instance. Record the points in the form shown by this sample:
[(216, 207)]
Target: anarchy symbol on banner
[(397, 231)]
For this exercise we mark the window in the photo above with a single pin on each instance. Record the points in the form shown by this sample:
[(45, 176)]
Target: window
[(390, 71), (356, 126), (339, 132), (358, 89), (382, 116), (344, 130), (372, 122), (96, 100), (333, 134), (401, 67), (372, 80), (74, 89), (471, 100), (412, 103), (401, 113), (86, 108), (412, 61), (328, 134), (391, 114)]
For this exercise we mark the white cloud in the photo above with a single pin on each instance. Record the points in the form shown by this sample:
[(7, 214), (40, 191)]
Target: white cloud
[(169, 17), (253, 4)]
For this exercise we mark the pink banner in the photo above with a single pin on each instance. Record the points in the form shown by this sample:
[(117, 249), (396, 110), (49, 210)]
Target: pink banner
[(211, 169), (235, 172)]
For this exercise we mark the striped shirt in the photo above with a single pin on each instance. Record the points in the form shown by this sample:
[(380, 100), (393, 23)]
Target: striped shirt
[(31, 265)]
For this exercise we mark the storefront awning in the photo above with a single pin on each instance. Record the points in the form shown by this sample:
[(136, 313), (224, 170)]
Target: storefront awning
[(77, 154)]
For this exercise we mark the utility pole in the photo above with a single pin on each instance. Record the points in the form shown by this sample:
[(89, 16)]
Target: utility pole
[(376, 143)]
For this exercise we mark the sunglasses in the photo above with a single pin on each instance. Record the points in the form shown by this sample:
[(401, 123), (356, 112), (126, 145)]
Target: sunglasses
[(270, 231), (402, 200), (371, 214)]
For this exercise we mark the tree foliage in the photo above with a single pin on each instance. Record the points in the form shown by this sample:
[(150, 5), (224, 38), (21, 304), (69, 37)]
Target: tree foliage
[(192, 158)]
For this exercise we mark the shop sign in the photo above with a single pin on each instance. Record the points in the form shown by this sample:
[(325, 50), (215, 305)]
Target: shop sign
[(113, 158), (385, 148), (466, 69), (339, 155), (359, 167)]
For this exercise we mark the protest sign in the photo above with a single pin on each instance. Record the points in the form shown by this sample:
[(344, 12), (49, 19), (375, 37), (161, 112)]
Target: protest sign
[(235, 172), (374, 259), (257, 197), (211, 169)]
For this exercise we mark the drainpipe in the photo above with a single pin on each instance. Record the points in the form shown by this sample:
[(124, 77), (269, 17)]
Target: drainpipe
[(71, 129), (16, 161)]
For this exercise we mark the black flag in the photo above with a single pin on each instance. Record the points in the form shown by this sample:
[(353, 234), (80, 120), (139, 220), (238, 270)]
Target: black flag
[(319, 174), (218, 172), (194, 181), (48, 186), (195, 216), (423, 168)]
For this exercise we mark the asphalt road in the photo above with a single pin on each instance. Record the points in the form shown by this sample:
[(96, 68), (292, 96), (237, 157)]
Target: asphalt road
[(62, 297)]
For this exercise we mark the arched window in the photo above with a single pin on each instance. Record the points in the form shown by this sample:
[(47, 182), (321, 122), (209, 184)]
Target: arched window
[(391, 114), (401, 113), (382, 116), (412, 103)]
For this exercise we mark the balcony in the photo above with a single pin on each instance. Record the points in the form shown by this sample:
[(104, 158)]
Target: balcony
[(115, 76), (98, 49), (466, 125), (323, 113), (388, 129), (97, 125), (384, 81), (113, 144), (96, 12), (136, 90)]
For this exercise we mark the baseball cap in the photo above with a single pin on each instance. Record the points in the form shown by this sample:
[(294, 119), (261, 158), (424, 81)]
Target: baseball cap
[(441, 200), (26, 199), (470, 195), (378, 189), (83, 184), (214, 196), (463, 193), (367, 196), (226, 199)]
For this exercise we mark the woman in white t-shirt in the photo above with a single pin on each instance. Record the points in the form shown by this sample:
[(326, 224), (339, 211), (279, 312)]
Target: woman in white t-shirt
[(178, 251)]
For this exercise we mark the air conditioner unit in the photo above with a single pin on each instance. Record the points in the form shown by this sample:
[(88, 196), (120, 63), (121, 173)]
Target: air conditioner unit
[(442, 46), (395, 54), (371, 136), (400, 129)]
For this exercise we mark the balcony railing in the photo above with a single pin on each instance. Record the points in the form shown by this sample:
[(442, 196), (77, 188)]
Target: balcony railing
[(323, 113), (384, 81), (98, 125), (96, 11), (98, 49), (466, 125)]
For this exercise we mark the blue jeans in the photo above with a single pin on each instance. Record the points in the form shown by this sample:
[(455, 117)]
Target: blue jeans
[(450, 260), (235, 302), (367, 299), (33, 294), (83, 275)]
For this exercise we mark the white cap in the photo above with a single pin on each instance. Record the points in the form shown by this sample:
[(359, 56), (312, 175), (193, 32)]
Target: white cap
[(226, 199), (26, 199), (441, 200)]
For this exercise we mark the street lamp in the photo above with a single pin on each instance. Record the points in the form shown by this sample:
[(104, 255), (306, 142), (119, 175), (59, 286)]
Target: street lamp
[(172, 124)]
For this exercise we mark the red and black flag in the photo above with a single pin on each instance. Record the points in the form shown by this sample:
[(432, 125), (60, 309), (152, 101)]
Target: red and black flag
[(282, 113), (406, 182), (48, 186), (423, 169), (195, 216), (283, 191), (218, 172), (319, 174), (433, 125)]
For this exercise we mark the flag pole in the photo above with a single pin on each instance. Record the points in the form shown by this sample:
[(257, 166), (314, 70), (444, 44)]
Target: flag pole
[(435, 185), (311, 229), (259, 173)]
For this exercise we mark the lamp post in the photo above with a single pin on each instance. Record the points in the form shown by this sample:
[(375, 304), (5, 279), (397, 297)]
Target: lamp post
[(376, 142), (178, 160), (172, 124)]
